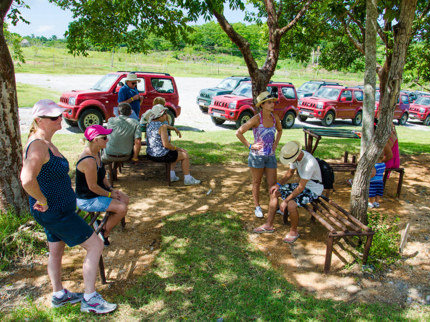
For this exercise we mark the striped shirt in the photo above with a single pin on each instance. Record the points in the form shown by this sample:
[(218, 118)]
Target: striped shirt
[(380, 168)]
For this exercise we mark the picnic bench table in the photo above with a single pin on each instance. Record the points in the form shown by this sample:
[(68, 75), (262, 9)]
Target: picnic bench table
[(317, 133)]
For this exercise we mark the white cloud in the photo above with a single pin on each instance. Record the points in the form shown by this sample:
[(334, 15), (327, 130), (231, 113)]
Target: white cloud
[(45, 28)]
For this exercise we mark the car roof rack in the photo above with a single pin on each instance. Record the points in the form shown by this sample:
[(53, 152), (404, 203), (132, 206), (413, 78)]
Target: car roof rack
[(134, 72), (285, 83), (325, 82), (240, 76)]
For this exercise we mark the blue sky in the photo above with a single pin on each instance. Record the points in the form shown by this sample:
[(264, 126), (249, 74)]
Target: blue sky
[(46, 19)]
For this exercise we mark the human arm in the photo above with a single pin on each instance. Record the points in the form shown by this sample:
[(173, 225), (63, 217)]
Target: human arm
[(278, 133), (373, 172), (125, 97), (178, 133), (287, 176), (248, 125), (165, 139), (89, 168), (388, 154), (37, 156), (299, 189)]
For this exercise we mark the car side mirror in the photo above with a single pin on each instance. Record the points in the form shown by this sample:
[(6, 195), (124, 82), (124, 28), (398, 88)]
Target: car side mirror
[(120, 84), (343, 99)]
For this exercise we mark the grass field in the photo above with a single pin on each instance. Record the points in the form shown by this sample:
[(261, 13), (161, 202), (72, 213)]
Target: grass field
[(28, 94)]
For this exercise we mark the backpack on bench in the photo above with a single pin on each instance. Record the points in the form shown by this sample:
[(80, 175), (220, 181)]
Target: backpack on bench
[(327, 174)]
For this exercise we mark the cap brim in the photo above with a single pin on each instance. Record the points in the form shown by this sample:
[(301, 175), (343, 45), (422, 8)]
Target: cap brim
[(106, 131), (55, 111)]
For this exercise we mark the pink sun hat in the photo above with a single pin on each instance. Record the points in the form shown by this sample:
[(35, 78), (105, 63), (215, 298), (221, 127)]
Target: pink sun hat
[(47, 108), (94, 131)]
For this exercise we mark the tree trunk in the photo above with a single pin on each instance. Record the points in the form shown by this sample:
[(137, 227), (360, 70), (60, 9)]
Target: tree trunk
[(369, 74), (12, 195), (402, 35)]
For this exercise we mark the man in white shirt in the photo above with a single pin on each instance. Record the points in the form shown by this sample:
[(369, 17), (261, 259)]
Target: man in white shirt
[(294, 195)]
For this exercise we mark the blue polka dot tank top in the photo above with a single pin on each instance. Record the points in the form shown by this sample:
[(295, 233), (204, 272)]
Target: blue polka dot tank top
[(54, 182)]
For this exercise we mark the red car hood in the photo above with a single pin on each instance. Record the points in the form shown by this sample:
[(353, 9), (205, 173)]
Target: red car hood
[(233, 98), (418, 106), (315, 100), (76, 92)]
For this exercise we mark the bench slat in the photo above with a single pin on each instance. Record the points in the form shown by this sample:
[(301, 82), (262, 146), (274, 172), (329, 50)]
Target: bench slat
[(346, 222), (328, 215), (321, 220)]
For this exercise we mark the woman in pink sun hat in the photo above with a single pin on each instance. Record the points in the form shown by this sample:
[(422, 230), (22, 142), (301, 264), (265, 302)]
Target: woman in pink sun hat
[(45, 177), (93, 190)]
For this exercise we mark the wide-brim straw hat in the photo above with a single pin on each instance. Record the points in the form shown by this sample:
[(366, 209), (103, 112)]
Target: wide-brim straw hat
[(264, 97), (290, 152), (131, 78)]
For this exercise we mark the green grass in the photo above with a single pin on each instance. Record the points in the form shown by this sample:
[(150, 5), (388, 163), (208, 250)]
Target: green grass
[(16, 243), (206, 269), (28, 95)]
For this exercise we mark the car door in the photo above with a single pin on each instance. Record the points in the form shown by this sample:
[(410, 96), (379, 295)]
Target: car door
[(402, 106), (273, 90), (345, 105)]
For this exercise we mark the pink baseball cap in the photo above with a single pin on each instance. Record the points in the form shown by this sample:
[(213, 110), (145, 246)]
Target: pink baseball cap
[(47, 108), (94, 131)]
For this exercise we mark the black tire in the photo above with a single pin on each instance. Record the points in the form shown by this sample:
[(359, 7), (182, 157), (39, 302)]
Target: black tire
[(302, 118), (288, 120), (171, 117), (89, 117), (217, 121), (71, 123), (403, 119), (358, 118), (203, 109), (243, 118), (427, 120), (328, 119)]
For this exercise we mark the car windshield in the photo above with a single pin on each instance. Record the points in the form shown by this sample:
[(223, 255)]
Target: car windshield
[(328, 92), (377, 95), (243, 90), (105, 82), (228, 83), (423, 101), (309, 87)]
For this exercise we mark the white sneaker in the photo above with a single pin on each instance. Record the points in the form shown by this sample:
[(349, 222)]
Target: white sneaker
[(370, 205), (258, 212), (376, 204), (192, 181), (174, 178)]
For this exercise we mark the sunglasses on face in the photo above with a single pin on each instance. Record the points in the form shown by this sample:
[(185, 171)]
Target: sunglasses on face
[(133, 83), (52, 118), (103, 138)]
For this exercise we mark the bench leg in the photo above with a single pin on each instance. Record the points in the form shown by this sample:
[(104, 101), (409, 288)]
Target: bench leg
[(328, 254), (400, 184), (123, 223), (102, 270), (367, 248), (354, 160), (286, 214), (345, 157), (110, 172), (385, 178)]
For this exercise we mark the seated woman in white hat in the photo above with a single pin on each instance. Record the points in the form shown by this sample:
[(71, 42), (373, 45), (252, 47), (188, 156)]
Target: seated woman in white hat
[(294, 195), (158, 147)]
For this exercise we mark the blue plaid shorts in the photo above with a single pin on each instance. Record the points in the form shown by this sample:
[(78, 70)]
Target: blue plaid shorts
[(302, 199)]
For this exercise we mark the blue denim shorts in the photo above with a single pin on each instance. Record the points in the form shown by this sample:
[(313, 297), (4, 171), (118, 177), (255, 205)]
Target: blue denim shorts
[(64, 225), (262, 161), (100, 203)]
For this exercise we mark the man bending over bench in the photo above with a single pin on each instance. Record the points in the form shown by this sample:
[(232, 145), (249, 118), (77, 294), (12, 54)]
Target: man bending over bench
[(294, 195)]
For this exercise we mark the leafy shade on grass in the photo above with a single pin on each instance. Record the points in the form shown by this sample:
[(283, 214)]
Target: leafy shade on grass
[(206, 269), (28, 95), (16, 243)]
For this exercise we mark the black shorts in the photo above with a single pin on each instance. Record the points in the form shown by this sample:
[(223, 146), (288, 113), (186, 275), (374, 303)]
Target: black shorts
[(170, 157)]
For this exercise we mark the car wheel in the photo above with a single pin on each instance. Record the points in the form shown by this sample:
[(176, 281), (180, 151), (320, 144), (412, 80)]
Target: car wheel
[(328, 119), (217, 121), (243, 118), (203, 109), (427, 120), (170, 117), (288, 120), (302, 118), (88, 118), (403, 119), (70, 122), (357, 119)]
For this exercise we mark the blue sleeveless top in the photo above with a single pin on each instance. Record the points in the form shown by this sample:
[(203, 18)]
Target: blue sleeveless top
[(54, 182)]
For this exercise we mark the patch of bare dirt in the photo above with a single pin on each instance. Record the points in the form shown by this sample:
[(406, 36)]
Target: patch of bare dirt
[(132, 250)]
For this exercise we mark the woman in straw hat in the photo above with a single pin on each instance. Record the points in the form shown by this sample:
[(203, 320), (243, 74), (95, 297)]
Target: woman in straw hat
[(267, 130), (159, 148), (53, 205)]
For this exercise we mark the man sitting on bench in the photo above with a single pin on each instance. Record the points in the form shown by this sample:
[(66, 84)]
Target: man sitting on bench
[(125, 140), (294, 195)]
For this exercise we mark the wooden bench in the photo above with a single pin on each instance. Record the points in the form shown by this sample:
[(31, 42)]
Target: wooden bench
[(97, 228), (330, 214), (114, 167), (401, 172)]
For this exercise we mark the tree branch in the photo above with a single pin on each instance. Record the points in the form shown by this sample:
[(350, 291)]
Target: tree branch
[(425, 11), (354, 41), (281, 6), (296, 19)]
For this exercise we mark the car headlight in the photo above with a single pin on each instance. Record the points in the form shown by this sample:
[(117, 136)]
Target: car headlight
[(72, 101), (422, 110), (301, 95), (212, 101), (300, 102), (320, 105), (232, 105)]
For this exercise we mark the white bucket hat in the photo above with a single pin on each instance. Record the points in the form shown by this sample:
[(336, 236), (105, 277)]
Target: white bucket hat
[(132, 77), (290, 152), (154, 113), (264, 97)]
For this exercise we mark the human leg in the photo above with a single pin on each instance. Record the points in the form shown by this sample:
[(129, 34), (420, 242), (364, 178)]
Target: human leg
[(118, 211), (257, 175), (94, 247), (273, 206), (56, 251), (185, 162), (136, 148), (294, 219)]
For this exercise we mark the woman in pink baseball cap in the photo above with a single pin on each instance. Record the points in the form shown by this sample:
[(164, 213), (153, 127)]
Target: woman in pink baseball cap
[(92, 188), (45, 177)]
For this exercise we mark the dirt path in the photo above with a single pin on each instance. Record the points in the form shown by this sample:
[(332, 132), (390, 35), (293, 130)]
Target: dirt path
[(133, 250)]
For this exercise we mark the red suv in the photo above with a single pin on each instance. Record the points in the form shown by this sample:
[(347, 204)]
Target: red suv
[(333, 102), (239, 106), (401, 113), (89, 107), (420, 110)]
